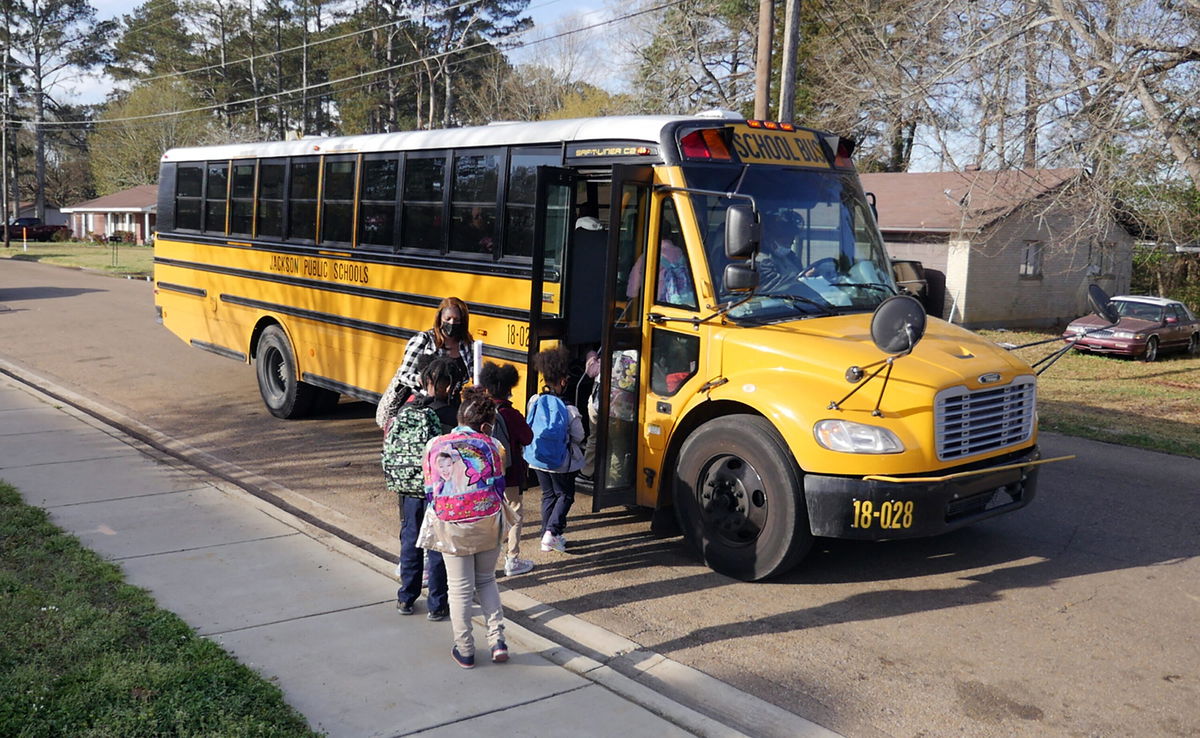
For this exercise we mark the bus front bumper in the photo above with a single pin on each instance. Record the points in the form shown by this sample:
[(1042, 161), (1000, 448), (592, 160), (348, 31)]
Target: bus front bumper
[(883, 507)]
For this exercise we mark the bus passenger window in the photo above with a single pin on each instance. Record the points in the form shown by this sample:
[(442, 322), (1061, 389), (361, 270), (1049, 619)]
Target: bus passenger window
[(473, 204), (424, 183), (377, 201), (216, 189), (270, 198), (521, 194), (337, 202), (241, 199), (302, 214), (189, 187), (674, 358)]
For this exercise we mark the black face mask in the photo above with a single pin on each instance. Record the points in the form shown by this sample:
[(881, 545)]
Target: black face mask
[(454, 330)]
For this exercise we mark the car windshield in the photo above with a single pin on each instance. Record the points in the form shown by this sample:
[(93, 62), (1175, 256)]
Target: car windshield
[(820, 252), (1140, 310)]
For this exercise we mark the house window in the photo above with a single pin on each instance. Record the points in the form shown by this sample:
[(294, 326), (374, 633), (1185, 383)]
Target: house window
[(1100, 259), (1031, 263)]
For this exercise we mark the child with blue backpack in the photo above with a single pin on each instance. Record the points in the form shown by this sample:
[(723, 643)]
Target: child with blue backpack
[(556, 452)]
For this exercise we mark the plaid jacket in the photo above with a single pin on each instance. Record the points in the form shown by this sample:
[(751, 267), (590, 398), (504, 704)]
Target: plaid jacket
[(406, 376)]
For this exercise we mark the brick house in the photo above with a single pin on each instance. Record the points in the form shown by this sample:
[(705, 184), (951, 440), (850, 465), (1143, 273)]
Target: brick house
[(129, 211), (1013, 247)]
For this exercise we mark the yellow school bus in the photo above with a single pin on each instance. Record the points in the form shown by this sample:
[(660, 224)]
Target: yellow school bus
[(762, 382)]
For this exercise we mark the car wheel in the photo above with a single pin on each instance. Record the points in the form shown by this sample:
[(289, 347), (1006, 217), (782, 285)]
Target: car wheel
[(1193, 346), (739, 500), (275, 364), (1151, 349)]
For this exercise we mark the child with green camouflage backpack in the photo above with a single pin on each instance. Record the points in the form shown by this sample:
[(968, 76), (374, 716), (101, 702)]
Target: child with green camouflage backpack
[(417, 421)]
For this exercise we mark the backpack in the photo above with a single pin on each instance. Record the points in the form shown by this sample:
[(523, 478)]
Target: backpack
[(551, 424), (404, 447), (463, 478), (500, 433)]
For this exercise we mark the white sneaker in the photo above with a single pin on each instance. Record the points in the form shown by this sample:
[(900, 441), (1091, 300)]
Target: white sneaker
[(514, 566), (551, 542)]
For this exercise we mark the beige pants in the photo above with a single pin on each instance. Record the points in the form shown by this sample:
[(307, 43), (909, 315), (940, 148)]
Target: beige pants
[(468, 577), (512, 547)]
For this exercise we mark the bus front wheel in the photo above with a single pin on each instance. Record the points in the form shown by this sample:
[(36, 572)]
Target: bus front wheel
[(275, 364), (738, 498)]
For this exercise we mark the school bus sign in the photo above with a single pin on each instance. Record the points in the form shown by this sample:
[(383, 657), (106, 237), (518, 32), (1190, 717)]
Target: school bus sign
[(763, 146)]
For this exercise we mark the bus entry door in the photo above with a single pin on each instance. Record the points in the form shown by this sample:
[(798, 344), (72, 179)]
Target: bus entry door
[(620, 391), (553, 206)]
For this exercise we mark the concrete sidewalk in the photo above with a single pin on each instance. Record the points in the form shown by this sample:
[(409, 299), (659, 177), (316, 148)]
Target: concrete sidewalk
[(317, 615)]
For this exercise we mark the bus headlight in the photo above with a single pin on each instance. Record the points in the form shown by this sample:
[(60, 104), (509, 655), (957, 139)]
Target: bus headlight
[(856, 438)]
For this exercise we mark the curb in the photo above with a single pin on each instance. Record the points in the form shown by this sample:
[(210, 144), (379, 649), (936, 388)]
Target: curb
[(678, 693)]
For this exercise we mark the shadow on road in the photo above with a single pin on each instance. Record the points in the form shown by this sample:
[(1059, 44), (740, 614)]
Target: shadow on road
[(1086, 520), (18, 294)]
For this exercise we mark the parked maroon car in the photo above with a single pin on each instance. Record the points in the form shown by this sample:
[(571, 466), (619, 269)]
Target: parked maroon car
[(1147, 325)]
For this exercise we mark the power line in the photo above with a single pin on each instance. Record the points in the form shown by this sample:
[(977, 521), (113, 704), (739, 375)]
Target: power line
[(304, 90)]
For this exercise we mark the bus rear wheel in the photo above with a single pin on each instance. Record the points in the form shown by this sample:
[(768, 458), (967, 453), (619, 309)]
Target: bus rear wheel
[(275, 364), (738, 498)]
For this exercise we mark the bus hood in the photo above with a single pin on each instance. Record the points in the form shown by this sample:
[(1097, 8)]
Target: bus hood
[(795, 374), (824, 348)]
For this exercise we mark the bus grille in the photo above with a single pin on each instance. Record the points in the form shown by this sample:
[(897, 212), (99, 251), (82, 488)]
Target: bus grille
[(974, 422)]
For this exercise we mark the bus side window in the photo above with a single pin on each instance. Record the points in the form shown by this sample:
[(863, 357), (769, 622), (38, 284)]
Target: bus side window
[(302, 202), (424, 183), (189, 189), (674, 278), (216, 189), (475, 184), (674, 358), (271, 173)]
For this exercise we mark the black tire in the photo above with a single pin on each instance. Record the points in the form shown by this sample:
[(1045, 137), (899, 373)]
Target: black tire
[(1193, 346), (739, 500), (275, 364), (1151, 349)]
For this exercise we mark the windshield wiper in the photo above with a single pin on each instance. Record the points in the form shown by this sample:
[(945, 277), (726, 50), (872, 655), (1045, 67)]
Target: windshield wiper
[(867, 285), (824, 307)]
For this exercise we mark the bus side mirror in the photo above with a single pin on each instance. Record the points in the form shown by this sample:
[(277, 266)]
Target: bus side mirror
[(740, 278), (742, 231)]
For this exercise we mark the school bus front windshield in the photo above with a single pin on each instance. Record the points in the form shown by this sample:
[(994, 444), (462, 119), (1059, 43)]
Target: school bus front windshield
[(820, 253)]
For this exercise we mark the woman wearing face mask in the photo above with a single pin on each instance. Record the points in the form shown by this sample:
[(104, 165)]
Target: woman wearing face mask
[(450, 337)]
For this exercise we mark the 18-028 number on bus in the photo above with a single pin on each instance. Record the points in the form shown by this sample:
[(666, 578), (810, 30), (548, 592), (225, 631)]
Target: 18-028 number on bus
[(518, 335), (889, 515)]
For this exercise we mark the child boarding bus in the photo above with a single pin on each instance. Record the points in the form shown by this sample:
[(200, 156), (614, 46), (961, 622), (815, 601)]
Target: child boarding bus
[(730, 372)]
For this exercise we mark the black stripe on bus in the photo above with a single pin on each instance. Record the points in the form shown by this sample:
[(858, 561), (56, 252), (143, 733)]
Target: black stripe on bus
[(342, 388), (407, 298), (358, 325), (172, 287), (441, 262), (228, 353)]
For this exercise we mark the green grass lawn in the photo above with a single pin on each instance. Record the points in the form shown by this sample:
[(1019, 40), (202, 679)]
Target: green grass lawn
[(82, 653), (121, 260), (1109, 398)]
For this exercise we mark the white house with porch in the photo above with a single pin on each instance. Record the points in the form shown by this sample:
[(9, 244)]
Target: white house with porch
[(129, 211)]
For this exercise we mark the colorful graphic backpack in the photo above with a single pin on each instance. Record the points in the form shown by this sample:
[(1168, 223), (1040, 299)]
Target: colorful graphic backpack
[(464, 479)]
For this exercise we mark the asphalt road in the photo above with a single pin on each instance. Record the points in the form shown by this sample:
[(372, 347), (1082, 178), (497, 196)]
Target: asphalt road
[(1078, 616)]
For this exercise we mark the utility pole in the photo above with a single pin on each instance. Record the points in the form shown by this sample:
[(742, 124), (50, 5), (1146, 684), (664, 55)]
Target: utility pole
[(787, 67), (4, 145), (762, 62), (4, 123)]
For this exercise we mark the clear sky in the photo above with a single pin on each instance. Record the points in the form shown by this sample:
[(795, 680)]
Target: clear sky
[(547, 14)]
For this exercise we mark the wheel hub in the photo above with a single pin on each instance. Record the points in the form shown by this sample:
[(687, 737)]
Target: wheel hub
[(733, 501)]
